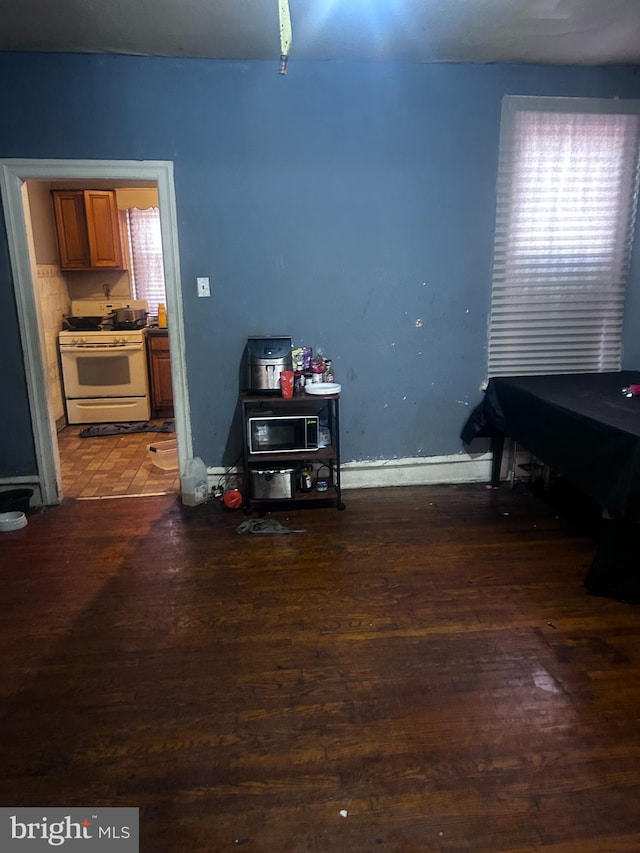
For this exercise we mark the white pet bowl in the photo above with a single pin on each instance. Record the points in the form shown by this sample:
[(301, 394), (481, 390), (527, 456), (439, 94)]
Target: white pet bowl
[(12, 521)]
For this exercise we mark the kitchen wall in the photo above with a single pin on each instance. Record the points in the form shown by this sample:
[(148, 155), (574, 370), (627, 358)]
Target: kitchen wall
[(53, 304), (51, 290), (349, 205)]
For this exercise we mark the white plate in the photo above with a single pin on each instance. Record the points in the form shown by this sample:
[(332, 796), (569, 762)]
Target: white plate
[(322, 388), (12, 521)]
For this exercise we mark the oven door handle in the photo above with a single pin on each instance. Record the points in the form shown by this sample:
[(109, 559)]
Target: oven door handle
[(101, 350)]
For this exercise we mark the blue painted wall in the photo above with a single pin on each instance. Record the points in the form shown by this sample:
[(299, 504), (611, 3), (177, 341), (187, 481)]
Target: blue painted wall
[(349, 205)]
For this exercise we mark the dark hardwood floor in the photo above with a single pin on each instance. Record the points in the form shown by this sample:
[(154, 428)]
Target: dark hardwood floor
[(422, 672)]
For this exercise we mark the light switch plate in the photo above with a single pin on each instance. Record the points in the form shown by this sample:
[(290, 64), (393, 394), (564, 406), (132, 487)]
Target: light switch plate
[(203, 286)]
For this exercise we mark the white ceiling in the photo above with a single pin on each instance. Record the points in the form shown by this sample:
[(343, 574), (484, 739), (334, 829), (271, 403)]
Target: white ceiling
[(582, 32)]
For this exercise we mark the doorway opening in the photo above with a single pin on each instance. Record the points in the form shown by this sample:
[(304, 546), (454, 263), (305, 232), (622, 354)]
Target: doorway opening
[(110, 456)]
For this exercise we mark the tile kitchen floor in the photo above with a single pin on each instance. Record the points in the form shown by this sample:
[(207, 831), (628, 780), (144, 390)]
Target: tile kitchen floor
[(110, 466)]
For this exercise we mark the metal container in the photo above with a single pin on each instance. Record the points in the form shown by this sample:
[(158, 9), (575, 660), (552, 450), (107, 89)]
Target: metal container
[(266, 358), (273, 485), (129, 318)]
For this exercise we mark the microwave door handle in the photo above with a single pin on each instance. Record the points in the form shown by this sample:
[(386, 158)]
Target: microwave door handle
[(97, 349)]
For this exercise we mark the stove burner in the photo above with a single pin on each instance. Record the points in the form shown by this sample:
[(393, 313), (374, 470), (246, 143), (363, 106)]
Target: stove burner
[(128, 325), (82, 324), (101, 324)]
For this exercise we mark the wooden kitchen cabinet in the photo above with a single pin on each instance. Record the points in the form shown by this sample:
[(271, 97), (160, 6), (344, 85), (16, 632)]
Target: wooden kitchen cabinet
[(88, 229), (160, 373)]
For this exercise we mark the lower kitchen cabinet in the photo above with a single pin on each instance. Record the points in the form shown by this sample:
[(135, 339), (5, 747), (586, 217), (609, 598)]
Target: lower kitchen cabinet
[(280, 479), (160, 385)]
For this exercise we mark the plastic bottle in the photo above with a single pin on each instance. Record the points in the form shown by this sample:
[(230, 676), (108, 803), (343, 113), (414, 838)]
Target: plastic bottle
[(328, 371), (194, 485), (162, 316)]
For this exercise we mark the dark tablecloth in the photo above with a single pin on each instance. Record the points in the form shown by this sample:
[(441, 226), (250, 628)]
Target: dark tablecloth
[(585, 429), (581, 425)]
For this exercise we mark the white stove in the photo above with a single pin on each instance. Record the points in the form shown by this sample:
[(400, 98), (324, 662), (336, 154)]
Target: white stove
[(100, 338), (104, 370)]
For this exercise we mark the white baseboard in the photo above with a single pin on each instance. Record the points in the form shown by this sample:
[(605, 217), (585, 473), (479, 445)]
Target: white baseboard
[(410, 471), (416, 471), (367, 474)]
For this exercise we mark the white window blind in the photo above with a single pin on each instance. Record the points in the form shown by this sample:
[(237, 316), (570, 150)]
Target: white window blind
[(145, 241), (566, 198)]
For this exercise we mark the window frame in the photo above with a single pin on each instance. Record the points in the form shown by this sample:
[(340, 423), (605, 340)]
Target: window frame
[(512, 106), (154, 296)]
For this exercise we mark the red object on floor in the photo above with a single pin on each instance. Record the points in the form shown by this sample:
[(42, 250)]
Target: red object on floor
[(232, 499)]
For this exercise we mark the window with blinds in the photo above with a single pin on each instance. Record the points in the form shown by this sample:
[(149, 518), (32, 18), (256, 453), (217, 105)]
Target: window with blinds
[(147, 267), (566, 199)]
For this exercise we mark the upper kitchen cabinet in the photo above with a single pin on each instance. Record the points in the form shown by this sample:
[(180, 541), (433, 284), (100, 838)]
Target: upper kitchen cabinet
[(88, 228)]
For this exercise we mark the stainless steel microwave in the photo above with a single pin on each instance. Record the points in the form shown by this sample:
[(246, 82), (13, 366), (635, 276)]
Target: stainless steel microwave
[(282, 433)]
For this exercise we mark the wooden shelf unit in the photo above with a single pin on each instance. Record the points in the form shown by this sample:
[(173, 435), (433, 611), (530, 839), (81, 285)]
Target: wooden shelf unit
[(253, 405)]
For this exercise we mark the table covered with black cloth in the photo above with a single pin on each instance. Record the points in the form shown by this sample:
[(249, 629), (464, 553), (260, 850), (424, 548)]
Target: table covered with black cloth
[(584, 428)]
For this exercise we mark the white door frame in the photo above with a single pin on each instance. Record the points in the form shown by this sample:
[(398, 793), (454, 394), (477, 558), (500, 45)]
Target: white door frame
[(13, 174)]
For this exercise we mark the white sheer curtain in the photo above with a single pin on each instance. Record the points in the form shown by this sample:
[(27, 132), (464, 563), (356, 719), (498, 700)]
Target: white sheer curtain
[(147, 268), (567, 188)]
